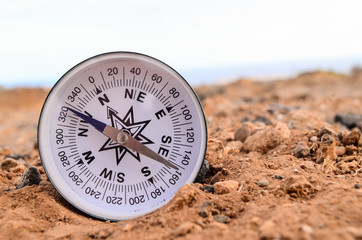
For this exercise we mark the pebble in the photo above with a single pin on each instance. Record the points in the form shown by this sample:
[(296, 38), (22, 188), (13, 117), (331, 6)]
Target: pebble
[(279, 177), (205, 167), (233, 147), (222, 218), (352, 137), (208, 188), (340, 150), (204, 213), (244, 131), (262, 119), (326, 130), (314, 139), (356, 186), (307, 229), (18, 156), (9, 163), (301, 150), (226, 187), (262, 183), (281, 108), (267, 138), (30, 177), (350, 120)]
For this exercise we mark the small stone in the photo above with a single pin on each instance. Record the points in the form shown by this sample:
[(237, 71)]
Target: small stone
[(262, 183), (301, 150), (9, 163), (350, 120), (264, 192), (222, 218), (267, 138), (326, 130), (244, 131), (262, 119), (208, 188), (18, 156), (279, 177), (226, 187), (204, 213), (340, 150), (352, 137), (307, 229), (233, 147), (351, 148), (29, 177), (356, 186), (314, 139), (205, 167)]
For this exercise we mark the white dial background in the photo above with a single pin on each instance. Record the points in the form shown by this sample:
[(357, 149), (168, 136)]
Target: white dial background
[(136, 93)]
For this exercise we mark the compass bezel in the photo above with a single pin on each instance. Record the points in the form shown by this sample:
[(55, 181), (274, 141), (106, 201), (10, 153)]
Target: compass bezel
[(45, 152)]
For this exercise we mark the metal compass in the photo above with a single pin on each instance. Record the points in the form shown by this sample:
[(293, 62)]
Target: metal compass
[(120, 133)]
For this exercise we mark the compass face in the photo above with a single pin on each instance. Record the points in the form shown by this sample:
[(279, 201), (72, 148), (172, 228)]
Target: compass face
[(141, 96)]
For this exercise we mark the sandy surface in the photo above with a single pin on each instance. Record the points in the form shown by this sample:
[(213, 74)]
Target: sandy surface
[(280, 168)]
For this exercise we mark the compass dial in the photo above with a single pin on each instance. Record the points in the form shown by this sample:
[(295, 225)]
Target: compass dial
[(140, 96)]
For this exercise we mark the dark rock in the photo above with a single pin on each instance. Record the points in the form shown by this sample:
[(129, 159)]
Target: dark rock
[(262, 119), (204, 170), (30, 177), (350, 120), (281, 108), (279, 177), (222, 218), (356, 186), (208, 188), (9, 163), (204, 213), (244, 131), (245, 119), (301, 150)]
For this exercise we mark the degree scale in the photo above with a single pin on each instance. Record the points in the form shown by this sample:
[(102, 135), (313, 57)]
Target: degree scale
[(120, 133)]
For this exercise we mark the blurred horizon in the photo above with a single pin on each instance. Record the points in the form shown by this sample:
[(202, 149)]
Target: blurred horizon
[(205, 41), (220, 74)]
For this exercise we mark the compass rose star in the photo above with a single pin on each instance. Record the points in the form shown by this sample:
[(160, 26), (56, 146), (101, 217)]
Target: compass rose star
[(128, 125)]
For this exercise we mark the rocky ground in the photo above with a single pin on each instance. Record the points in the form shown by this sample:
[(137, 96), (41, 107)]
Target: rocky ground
[(285, 163)]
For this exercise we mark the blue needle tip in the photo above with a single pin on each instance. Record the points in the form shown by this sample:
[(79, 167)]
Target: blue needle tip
[(95, 123)]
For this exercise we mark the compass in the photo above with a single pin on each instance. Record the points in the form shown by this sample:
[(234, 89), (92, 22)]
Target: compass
[(120, 133)]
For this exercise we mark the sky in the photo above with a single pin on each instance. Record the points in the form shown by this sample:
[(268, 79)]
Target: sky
[(41, 39)]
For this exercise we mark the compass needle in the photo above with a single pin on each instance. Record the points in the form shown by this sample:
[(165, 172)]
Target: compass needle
[(123, 138), (154, 131)]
